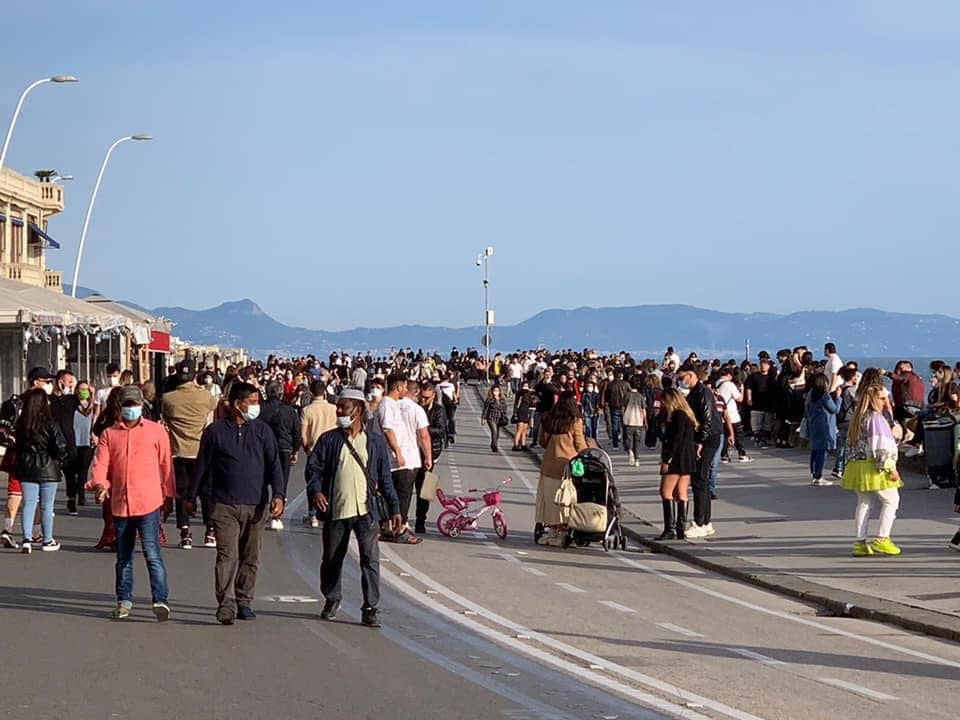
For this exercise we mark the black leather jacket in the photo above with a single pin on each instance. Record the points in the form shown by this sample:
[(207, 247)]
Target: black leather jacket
[(284, 420), (41, 462), (437, 417), (709, 422)]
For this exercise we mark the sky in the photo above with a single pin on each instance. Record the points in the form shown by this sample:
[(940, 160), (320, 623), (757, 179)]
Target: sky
[(342, 164)]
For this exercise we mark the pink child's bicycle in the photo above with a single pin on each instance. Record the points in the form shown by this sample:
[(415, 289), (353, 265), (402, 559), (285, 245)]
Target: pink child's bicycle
[(457, 517)]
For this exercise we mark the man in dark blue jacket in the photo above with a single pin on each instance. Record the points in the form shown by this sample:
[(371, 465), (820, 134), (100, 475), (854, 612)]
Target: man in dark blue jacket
[(240, 454), (346, 473)]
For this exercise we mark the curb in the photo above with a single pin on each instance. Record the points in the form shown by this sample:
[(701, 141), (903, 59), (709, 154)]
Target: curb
[(839, 602)]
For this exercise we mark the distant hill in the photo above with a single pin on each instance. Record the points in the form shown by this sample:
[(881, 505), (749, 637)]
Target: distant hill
[(645, 329)]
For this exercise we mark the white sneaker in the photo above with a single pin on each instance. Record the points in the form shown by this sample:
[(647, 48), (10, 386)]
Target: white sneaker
[(708, 530), (913, 452), (631, 459), (314, 522), (50, 546), (275, 524), (696, 531), (26, 547), (746, 459), (822, 482)]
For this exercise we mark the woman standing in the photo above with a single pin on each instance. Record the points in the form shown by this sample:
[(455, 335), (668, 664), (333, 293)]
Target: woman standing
[(494, 415), (678, 461), (561, 436), (871, 472), (820, 412), (76, 471), (523, 406), (41, 449)]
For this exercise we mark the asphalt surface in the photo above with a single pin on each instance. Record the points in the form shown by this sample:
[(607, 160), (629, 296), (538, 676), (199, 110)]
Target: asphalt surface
[(473, 626)]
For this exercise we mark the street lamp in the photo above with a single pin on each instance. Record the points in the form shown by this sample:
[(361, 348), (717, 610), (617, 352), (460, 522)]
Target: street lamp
[(93, 199), (483, 261), (55, 79)]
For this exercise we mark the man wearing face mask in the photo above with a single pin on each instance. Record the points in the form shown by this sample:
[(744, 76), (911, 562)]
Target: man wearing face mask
[(318, 417), (240, 456), (133, 471), (348, 478), (113, 380), (63, 407)]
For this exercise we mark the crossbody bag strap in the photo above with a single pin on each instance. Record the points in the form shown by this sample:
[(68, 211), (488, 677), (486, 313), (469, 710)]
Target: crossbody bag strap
[(360, 462)]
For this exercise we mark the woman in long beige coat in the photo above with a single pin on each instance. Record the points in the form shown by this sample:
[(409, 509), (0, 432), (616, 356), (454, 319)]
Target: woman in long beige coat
[(561, 436)]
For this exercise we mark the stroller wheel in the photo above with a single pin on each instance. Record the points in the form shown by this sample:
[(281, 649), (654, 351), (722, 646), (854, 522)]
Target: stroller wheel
[(567, 540), (537, 532), (581, 542)]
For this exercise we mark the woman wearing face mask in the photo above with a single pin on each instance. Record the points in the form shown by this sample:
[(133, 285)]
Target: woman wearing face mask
[(210, 386), (494, 414), (76, 471), (41, 450)]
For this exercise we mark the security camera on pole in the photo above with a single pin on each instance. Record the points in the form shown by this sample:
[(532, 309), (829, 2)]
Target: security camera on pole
[(483, 261)]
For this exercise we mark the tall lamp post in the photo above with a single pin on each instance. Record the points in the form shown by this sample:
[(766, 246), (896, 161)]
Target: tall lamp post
[(23, 96), (93, 199), (483, 261)]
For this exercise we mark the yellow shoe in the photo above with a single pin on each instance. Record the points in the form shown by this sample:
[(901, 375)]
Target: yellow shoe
[(861, 549), (884, 546)]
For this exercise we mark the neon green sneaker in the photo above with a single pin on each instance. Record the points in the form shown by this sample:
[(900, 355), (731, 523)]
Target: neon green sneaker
[(861, 549), (884, 546)]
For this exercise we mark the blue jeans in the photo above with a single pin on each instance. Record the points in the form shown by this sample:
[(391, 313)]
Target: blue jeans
[(46, 495), (149, 527), (616, 426), (590, 426), (817, 459), (841, 461), (715, 464)]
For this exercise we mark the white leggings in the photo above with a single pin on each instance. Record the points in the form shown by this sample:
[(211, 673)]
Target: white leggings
[(889, 500)]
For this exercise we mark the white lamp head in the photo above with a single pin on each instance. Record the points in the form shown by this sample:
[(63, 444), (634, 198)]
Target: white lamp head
[(63, 79)]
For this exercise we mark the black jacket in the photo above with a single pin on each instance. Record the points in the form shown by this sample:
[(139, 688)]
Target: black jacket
[(284, 420), (242, 461), (63, 407), (616, 394), (41, 462), (709, 422), (437, 417)]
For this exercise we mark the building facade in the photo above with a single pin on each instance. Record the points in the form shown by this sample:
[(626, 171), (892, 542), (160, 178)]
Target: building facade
[(26, 206)]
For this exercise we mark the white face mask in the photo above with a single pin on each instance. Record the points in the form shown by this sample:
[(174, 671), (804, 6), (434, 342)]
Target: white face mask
[(48, 388), (67, 390), (114, 380)]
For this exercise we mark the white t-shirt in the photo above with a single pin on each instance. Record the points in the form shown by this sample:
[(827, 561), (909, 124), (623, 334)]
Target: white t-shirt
[(448, 389), (834, 363), (730, 394), (516, 371), (398, 416), (100, 399)]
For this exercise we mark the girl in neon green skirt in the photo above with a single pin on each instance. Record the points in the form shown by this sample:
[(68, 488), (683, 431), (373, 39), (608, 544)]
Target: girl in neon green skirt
[(872, 472)]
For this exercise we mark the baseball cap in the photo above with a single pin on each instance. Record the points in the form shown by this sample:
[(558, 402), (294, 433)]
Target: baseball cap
[(185, 368), (352, 394), (131, 393), (39, 373)]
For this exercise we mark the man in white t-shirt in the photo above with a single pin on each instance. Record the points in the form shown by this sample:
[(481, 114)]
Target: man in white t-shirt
[(401, 426), (834, 363), (728, 391), (100, 399)]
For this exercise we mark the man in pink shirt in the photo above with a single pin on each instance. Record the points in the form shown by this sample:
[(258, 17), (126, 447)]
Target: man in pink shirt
[(133, 471)]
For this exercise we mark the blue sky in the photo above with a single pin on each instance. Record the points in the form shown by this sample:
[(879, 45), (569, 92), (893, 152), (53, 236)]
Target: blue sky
[(343, 163)]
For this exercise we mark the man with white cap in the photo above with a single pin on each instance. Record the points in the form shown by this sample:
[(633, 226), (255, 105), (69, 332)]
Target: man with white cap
[(349, 482)]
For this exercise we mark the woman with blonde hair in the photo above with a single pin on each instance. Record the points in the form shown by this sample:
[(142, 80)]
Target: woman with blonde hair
[(871, 471), (678, 461)]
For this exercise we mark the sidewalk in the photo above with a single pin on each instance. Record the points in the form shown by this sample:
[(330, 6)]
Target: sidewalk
[(776, 531)]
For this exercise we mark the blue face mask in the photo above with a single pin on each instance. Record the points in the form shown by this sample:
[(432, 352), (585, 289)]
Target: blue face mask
[(344, 421), (131, 414)]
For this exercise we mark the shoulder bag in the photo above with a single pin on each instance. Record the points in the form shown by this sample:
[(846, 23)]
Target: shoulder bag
[(382, 508)]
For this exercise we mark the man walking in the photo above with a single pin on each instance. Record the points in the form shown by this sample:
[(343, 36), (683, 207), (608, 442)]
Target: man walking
[(186, 412), (348, 473), (240, 455), (284, 420), (707, 437), (615, 398), (133, 471), (318, 417)]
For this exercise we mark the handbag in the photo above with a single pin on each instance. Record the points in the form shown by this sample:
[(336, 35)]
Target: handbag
[(379, 501), (428, 490)]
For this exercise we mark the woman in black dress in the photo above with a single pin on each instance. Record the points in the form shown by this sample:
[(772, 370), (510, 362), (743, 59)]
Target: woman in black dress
[(678, 461)]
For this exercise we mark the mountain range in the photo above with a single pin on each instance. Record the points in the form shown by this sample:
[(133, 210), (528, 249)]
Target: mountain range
[(644, 330)]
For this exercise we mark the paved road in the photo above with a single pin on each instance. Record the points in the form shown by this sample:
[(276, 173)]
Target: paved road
[(473, 626)]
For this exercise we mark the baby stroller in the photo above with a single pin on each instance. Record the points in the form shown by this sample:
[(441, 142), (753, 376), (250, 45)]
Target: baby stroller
[(595, 516)]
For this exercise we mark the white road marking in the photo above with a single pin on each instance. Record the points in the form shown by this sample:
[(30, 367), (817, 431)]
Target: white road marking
[(569, 588), (490, 544), (786, 616), (858, 689), (751, 655), (290, 599), (617, 606), (534, 571), (509, 558), (679, 630), (558, 646)]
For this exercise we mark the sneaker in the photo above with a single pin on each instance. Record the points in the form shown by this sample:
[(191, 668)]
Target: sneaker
[(725, 460), (314, 522), (820, 482), (861, 549), (120, 612), (161, 611), (708, 530), (210, 540), (6, 539), (955, 542), (186, 543), (330, 608), (226, 616), (884, 546), (631, 459), (50, 546), (931, 485), (746, 459), (26, 547), (246, 613), (275, 524), (837, 474), (913, 452), (371, 618), (695, 531), (72, 507), (713, 494)]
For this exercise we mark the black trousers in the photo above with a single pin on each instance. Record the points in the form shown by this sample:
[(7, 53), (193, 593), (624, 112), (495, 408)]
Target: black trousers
[(76, 471), (183, 471), (423, 506), (701, 481), (494, 433), (404, 482), (738, 435), (285, 467), (336, 540)]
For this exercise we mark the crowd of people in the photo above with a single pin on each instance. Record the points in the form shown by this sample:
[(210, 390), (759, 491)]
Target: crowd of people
[(224, 440)]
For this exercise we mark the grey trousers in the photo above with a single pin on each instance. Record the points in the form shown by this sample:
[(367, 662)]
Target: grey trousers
[(239, 530)]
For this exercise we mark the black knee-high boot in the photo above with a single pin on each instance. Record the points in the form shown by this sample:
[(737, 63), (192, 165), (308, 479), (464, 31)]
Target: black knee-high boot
[(681, 519), (668, 532)]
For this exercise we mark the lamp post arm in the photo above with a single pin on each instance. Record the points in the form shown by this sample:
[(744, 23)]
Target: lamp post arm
[(16, 114)]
